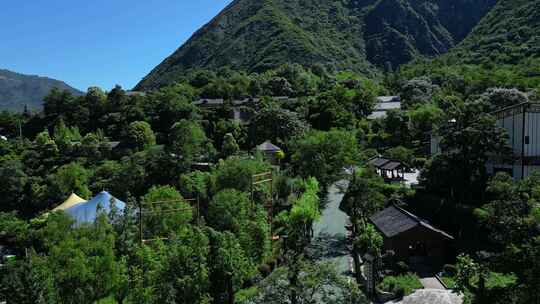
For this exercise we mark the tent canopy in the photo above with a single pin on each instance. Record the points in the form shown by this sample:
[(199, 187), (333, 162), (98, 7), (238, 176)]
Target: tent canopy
[(87, 212), (71, 201)]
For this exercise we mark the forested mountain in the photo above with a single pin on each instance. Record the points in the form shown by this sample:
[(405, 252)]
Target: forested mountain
[(361, 35), (18, 90), (508, 34)]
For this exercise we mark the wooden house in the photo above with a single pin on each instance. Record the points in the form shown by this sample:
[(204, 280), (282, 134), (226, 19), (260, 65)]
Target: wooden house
[(411, 237)]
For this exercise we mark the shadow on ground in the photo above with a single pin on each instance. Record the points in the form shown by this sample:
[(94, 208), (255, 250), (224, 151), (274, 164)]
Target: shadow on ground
[(326, 246)]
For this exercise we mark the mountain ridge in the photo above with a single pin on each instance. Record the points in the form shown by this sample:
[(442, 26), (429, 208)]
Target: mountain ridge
[(19, 90), (257, 35)]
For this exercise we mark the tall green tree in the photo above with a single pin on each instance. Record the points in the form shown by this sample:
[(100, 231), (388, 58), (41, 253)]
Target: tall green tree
[(14, 180), (140, 135), (230, 146), (71, 178), (324, 155), (275, 124), (468, 138), (188, 142), (169, 211)]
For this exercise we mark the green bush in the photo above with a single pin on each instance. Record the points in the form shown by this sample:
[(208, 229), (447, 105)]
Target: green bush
[(450, 269), (246, 295), (448, 281), (448, 275), (402, 285)]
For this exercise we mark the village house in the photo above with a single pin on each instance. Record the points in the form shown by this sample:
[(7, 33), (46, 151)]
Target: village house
[(383, 105), (390, 170), (411, 238), (242, 110)]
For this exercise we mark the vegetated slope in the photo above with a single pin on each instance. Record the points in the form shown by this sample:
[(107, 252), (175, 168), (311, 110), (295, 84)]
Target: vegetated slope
[(397, 31), (508, 34), (18, 90), (359, 35)]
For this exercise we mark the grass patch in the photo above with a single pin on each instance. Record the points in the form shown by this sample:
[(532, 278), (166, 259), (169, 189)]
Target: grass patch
[(497, 280), (401, 285)]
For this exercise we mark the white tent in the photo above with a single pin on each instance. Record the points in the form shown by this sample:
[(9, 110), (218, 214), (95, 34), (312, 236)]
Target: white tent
[(87, 212)]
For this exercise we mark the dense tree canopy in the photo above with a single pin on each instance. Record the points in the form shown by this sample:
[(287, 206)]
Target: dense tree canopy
[(209, 233)]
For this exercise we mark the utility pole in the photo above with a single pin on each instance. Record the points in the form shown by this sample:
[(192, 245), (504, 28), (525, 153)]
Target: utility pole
[(259, 179), (20, 129), (140, 223)]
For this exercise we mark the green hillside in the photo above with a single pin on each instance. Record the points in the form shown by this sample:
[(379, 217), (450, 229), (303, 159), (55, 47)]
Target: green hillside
[(360, 35), (18, 90), (509, 34)]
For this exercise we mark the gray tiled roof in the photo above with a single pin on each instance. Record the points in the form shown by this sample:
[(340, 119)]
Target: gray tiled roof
[(377, 114), (378, 161), (237, 102), (385, 106), (395, 220), (267, 146), (382, 99), (392, 165)]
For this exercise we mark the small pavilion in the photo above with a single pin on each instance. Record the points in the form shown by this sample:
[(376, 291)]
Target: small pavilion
[(269, 151), (390, 170)]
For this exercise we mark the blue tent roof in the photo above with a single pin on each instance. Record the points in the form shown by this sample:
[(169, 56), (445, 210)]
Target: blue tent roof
[(87, 212)]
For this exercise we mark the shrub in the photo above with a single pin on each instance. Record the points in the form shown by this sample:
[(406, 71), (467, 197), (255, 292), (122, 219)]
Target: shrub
[(450, 270), (401, 285)]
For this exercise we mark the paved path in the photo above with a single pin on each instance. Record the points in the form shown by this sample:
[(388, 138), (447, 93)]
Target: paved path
[(431, 283), (329, 242), (431, 296)]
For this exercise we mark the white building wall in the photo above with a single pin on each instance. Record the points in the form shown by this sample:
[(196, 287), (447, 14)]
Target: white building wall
[(513, 125), (532, 130)]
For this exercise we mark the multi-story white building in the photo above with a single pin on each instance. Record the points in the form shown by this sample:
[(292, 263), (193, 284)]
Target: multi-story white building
[(522, 122)]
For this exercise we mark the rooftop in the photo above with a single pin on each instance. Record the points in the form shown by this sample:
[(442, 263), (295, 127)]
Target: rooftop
[(395, 220), (384, 104), (392, 165), (236, 102), (267, 146), (384, 99), (378, 161)]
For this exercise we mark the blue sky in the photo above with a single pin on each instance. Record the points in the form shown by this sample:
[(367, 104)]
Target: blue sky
[(98, 42)]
